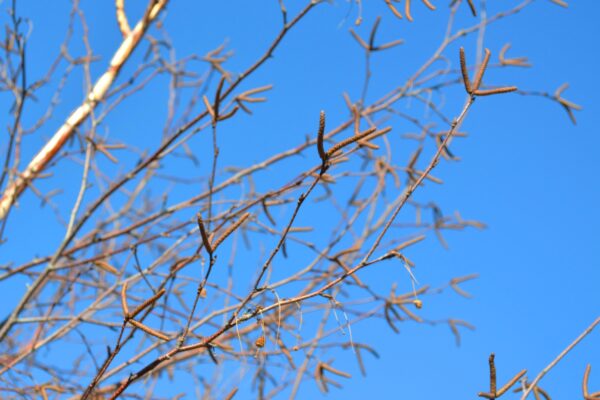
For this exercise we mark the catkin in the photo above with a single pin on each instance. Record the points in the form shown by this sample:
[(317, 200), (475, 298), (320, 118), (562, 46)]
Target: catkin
[(229, 231), (124, 300), (147, 303), (464, 71), (481, 71), (320, 135), (204, 235), (149, 330), (500, 90)]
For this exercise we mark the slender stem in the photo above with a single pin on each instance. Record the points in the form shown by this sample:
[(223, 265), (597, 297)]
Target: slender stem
[(562, 354)]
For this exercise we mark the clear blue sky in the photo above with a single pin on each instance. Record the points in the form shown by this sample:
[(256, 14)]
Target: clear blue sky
[(526, 172)]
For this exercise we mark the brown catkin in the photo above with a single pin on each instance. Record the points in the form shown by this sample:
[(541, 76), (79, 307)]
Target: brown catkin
[(349, 140), (229, 231), (472, 7), (371, 133), (320, 135), (103, 265), (464, 71), (407, 10), (500, 90), (492, 374), (586, 377), (409, 242), (147, 303), (257, 90), (204, 234), (218, 97), (481, 71), (335, 371), (429, 5), (373, 32), (359, 39), (393, 9), (229, 114), (231, 394), (510, 383), (209, 107), (149, 330), (124, 299)]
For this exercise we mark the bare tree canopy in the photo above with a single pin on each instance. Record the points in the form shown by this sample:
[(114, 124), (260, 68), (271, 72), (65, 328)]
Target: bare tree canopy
[(185, 217)]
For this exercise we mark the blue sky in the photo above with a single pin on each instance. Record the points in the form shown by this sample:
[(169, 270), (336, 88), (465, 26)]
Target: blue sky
[(525, 171)]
